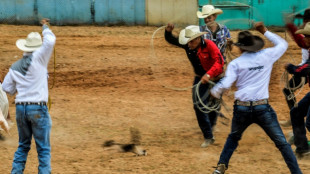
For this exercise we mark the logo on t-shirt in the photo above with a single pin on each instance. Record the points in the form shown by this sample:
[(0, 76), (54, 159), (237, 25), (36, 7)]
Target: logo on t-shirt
[(259, 68)]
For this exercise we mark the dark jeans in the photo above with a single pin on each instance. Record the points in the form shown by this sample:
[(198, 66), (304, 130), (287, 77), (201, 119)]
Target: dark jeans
[(205, 120), (298, 115), (294, 81), (266, 118)]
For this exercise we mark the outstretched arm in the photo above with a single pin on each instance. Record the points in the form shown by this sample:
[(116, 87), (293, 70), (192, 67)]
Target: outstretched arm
[(298, 38), (170, 38), (49, 39)]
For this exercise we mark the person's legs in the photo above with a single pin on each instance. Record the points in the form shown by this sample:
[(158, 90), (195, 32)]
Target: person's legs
[(202, 118), (41, 126), (297, 118), (241, 120), (266, 118), (25, 135), (308, 119)]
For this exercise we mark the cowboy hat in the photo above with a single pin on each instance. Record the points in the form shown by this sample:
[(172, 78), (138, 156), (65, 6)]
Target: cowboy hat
[(305, 31), (189, 33), (208, 10), (31, 43), (249, 42)]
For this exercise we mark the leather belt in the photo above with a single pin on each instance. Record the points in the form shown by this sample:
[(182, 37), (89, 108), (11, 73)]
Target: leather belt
[(31, 103), (251, 103)]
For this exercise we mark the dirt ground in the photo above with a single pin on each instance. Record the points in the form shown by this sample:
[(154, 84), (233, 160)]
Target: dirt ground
[(109, 79)]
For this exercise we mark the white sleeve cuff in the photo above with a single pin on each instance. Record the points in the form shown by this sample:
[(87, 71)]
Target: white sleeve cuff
[(216, 92)]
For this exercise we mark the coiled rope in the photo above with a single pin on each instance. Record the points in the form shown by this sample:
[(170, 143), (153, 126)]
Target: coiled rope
[(207, 103)]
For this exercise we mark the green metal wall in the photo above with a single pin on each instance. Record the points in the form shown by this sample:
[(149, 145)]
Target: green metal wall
[(240, 14)]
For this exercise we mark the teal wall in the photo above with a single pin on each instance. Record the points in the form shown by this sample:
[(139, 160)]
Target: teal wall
[(73, 12), (240, 14)]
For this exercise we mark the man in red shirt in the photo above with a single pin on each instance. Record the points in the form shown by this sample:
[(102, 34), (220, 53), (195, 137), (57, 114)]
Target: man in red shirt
[(208, 63), (302, 110)]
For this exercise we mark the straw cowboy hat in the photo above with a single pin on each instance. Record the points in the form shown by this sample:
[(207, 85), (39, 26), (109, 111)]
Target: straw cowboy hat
[(31, 43), (189, 33), (305, 31), (249, 42), (208, 10)]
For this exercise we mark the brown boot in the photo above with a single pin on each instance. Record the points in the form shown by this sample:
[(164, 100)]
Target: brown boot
[(220, 169)]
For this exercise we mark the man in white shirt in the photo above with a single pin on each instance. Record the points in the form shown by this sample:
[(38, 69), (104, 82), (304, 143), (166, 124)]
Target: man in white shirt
[(28, 78), (251, 72)]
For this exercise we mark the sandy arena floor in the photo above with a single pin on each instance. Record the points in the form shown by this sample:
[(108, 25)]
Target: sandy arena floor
[(107, 81)]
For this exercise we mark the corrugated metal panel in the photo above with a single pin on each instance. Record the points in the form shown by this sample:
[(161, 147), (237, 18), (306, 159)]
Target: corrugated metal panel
[(119, 11), (239, 14), (66, 12), (73, 12), (17, 11), (272, 11), (161, 12)]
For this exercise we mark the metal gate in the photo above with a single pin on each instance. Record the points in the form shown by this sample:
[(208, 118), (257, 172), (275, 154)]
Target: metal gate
[(240, 14)]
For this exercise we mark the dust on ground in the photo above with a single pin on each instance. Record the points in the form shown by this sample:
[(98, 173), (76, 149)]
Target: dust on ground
[(108, 79)]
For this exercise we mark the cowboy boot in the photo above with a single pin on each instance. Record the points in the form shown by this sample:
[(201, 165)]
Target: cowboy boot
[(220, 169)]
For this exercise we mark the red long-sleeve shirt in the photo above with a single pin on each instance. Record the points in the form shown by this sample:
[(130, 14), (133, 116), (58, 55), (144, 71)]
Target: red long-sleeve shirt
[(298, 38), (211, 58)]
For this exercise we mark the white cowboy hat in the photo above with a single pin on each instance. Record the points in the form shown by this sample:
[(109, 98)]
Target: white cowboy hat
[(189, 33), (305, 31), (31, 43), (208, 10)]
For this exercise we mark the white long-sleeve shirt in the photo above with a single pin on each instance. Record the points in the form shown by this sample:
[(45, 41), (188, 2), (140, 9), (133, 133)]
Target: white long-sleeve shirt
[(252, 71), (305, 56), (29, 76)]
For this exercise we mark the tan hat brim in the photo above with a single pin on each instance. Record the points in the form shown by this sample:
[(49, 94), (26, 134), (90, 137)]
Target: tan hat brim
[(184, 40), (215, 11), (303, 31), (20, 43)]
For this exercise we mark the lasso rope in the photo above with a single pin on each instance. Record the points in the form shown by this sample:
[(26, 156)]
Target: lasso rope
[(286, 81), (212, 105), (153, 55), (49, 103)]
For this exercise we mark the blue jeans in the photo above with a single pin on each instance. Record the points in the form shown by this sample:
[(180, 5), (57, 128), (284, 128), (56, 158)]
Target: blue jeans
[(33, 120), (205, 120), (266, 118), (298, 115)]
